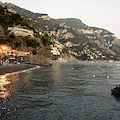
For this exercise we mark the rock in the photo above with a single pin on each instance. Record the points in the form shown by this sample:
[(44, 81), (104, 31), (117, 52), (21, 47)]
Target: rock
[(116, 91), (67, 58), (38, 60)]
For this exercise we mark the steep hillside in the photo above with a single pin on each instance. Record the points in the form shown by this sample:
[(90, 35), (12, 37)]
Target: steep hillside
[(82, 41), (19, 35), (101, 36)]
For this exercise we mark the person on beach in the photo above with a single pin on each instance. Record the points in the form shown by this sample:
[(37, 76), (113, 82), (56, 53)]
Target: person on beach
[(7, 61), (21, 61)]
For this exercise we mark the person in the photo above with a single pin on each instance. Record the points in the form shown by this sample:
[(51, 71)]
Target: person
[(21, 61), (7, 61)]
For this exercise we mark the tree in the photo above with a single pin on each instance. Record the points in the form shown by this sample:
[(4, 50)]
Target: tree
[(65, 51), (32, 42), (84, 57), (45, 39), (2, 10), (34, 52), (12, 35)]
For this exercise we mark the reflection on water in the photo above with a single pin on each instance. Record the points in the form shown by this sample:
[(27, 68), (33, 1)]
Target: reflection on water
[(10, 84), (7, 84), (3, 91), (6, 90)]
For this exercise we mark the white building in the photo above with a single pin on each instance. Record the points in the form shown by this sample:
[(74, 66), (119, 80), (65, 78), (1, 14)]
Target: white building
[(20, 31), (55, 51)]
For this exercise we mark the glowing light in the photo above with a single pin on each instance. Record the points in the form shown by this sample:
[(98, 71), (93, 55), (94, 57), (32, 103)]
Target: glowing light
[(4, 47), (3, 77)]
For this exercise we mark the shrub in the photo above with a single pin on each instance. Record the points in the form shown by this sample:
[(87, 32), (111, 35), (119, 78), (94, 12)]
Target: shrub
[(84, 57), (31, 42), (12, 35), (46, 41), (17, 44), (65, 50), (34, 52)]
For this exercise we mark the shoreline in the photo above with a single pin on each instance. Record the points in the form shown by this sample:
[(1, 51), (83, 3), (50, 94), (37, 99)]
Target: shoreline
[(18, 67), (15, 68)]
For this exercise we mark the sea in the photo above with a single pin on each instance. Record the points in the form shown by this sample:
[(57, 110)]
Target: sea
[(62, 91)]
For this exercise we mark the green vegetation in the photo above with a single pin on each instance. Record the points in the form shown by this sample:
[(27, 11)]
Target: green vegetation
[(17, 44), (55, 57), (4, 19), (65, 51), (9, 19), (84, 57), (31, 42), (46, 40), (12, 35), (34, 52)]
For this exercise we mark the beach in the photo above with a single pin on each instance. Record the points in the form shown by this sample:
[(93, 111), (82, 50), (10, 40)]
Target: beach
[(14, 68)]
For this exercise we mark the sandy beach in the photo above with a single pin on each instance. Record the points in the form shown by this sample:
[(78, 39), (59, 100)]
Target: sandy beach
[(14, 68)]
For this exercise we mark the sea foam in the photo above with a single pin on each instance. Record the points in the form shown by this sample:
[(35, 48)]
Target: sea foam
[(21, 71)]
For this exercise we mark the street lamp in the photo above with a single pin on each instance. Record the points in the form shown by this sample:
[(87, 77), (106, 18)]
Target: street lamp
[(2, 48)]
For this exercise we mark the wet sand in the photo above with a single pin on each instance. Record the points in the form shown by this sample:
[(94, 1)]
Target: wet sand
[(14, 68)]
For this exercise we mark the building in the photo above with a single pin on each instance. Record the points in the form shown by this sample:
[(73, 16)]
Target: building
[(17, 53), (8, 51), (20, 31), (55, 51)]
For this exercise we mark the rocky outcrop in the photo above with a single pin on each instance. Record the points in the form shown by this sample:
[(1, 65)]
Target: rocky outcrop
[(70, 44), (67, 58), (62, 34), (38, 60), (45, 17), (116, 91)]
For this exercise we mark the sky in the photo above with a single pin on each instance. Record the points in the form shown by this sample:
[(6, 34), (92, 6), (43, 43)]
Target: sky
[(95, 13)]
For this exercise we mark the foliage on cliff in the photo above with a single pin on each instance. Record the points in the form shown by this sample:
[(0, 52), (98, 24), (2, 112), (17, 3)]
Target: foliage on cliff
[(46, 40), (35, 44), (8, 18), (31, 42)]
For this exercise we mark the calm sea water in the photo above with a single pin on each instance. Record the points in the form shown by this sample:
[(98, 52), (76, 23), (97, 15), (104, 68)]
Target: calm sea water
[(63, 91)]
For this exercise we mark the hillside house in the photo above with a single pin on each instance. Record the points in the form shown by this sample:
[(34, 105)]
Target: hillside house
[(55, 50), (20, 31)]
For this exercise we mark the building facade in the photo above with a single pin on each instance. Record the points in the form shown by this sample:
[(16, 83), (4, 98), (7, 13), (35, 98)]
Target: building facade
[(20, 31)]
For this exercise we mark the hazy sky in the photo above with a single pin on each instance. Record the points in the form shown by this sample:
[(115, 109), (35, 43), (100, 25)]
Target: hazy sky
[(97, 13)]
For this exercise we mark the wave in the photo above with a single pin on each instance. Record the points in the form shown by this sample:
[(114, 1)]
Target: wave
[(21, 71)]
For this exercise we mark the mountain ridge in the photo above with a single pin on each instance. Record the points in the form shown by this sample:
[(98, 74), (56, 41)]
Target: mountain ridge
[(92, 42)]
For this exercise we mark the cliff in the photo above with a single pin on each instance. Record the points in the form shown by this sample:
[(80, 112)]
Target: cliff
[(67, 58), (23, 37), (81, 41)]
